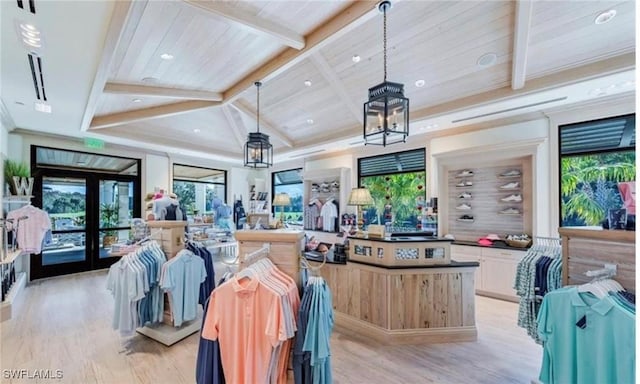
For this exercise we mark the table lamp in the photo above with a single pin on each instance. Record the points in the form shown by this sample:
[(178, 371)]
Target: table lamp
[(281, 200), (360, 197)]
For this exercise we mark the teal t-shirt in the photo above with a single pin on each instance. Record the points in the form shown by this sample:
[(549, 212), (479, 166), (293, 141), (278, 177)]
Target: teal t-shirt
[(586, 339)]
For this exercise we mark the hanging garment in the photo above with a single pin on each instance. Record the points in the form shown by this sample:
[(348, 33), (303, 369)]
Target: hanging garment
[(209, 284), (181, 278), (171, 212), (30, 232), (329, 214), (311, 214), (252, 315), (311, 356), (134, 283), (586, 340), (209, 362)]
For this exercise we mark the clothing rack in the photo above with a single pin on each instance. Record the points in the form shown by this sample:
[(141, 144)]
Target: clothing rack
[(251, 257)]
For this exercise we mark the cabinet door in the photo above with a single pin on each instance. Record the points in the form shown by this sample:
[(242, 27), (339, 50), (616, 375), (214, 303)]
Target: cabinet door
[(498, 275), (464, 253)]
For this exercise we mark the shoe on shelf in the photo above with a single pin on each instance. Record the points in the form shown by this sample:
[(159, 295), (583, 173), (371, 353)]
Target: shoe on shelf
[(512, 198), (463, 207), (460, 184), (465, 173), (510, 211), (511, 173), (468, 183), (512, 185), (465, 218), (464, 195)]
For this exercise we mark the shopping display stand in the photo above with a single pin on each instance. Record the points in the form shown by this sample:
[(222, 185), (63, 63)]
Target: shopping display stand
[(170, 235)]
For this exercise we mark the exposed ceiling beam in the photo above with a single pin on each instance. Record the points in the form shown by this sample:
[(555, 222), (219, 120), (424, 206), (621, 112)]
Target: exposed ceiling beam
[(235, 128), (267, 127), (594, 70), (524, 13), (124, 20), (359, 12), (171, 93), (262, 26), (156, 112), (330, 75)]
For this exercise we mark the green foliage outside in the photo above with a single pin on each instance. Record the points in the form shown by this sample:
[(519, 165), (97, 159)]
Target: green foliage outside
[(186, 192), (109, 217), (589, 185), (403, 189)]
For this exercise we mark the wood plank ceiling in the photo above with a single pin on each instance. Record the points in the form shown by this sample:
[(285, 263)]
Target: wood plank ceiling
[(203, 99)]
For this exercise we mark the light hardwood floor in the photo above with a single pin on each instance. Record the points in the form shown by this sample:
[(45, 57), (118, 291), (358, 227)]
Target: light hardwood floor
[(65, 323)]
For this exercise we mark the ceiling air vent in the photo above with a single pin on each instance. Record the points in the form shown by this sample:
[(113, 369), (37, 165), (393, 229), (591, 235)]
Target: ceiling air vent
[(510, 109), (32, 5), (35, 63)]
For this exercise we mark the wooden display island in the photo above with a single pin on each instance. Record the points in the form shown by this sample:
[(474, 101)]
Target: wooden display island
[(404, 304)]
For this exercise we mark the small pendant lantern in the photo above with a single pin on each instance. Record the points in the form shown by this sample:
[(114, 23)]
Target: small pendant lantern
[(258, 151), (386, 114)]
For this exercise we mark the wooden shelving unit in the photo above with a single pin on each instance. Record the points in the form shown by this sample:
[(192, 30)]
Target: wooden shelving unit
[(13, 296)]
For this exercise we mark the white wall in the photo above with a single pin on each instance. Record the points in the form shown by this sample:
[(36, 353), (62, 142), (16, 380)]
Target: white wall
[(157, 173)]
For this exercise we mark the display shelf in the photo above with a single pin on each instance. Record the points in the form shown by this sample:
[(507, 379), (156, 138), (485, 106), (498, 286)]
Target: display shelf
[(12, 256), (465, 220), (510, 214), (12, 296)]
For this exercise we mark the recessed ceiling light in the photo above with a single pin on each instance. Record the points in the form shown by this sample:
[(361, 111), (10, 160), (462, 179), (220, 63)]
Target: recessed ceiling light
[(487, 60), (196, 130), (605, 16), (166, 56), (420, 83), (309, 121), (136, 100), (355, 58), (307, 83)]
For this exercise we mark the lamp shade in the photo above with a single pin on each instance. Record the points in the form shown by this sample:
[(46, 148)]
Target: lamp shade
[(360, 197), (281, 200)]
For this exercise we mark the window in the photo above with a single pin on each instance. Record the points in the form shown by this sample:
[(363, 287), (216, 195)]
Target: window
[(597, 171), (397, 184), (289, 182), (196, 188)]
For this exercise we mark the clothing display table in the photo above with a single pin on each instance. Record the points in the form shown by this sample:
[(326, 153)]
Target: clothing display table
[(404, 305)]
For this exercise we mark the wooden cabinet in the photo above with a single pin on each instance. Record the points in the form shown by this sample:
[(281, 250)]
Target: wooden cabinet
[(403, 305), (462, 253), (497, 270)]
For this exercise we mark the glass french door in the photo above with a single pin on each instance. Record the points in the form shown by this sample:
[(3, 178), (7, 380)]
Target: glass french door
[(89, 212)]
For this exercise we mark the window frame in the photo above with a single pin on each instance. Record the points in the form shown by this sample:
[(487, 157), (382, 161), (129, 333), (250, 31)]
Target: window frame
[(186, 180), (273, 184), (584, 153)]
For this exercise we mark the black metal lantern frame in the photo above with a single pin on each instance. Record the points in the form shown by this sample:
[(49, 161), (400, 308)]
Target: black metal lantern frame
[(258, 151), (386, 113)]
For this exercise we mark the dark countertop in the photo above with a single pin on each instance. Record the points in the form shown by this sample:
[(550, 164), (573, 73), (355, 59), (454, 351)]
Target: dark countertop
[(452, 264), (496, 244), (403, 239), (317, 257)]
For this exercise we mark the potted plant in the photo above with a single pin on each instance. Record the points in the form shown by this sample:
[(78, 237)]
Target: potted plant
[(109, 219), (17, 175)]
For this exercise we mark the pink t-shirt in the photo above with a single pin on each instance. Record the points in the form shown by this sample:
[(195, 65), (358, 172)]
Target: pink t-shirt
[(31, 231), (246, 319)]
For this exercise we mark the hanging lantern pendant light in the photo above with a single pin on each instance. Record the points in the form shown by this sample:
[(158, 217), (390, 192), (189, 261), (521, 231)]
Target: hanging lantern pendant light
[(258, 151), (386, 113)]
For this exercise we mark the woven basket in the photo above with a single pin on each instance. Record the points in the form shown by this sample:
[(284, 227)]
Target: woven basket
[(518, 243)]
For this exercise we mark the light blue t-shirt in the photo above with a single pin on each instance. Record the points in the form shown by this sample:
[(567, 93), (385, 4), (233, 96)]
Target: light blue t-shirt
[(586, 339), (318, 334), (182, 280)]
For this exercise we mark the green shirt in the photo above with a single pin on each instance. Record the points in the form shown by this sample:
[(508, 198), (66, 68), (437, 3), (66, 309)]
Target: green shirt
[(601, 352)]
